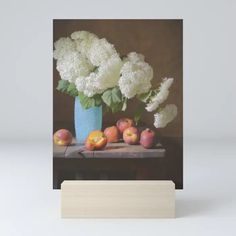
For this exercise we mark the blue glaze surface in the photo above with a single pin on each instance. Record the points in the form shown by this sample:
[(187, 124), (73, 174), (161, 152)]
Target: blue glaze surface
[(86, 120)]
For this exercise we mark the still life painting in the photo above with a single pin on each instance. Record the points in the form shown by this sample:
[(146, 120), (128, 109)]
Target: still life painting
[(117, 100)]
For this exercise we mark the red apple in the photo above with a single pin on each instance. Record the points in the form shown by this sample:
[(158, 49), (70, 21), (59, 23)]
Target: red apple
[(147, 138), (112, 134), (96, 140), (131, 135), (62, 137), (124, 123)]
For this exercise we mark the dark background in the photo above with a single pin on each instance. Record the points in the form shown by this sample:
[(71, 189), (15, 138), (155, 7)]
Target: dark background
[(161, 42)]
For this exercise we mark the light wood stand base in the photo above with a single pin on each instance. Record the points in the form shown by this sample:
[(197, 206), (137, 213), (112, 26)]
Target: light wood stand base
[(117, 199)]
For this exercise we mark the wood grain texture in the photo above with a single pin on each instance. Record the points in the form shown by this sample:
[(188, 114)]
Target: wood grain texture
[(117, 199), (112, 150)]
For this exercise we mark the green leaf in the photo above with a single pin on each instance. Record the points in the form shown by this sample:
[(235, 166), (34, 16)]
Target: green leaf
[(107, 97), (113, 99), (116, 95), (63, 85), (116, 107), (72, 90), (88, 102), (98, 100), (112, 96)]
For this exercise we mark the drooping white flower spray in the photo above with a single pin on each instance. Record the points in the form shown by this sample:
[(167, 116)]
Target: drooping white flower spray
[(136, 75), (161, 95), (165, 116)]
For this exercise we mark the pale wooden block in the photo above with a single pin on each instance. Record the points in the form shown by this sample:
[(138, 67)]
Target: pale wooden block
[(117, 199)]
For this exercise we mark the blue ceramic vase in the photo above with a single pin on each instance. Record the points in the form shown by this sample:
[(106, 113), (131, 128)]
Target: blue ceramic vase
[(86, 120)]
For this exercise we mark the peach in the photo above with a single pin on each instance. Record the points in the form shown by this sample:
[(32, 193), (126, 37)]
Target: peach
[(62, 137), (96, 140), (124, 123), (112, 134), (147, 138), (131, 135)]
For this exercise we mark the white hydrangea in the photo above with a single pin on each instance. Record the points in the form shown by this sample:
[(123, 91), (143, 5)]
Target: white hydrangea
[(101, 51), (135, 57), (91, 63), (84, 41), (72, 65), (161, 96), (104, 77), (165, 116), (62, 47), (136, 75)]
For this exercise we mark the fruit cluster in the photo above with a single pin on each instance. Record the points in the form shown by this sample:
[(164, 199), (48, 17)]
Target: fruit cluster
[(126, 129), (97, 140)]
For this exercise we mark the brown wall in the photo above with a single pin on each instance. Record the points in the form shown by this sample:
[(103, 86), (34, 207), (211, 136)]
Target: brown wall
[(161, 41)]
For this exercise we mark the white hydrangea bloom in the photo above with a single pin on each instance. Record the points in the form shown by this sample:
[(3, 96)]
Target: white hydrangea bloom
[(165, 116), (161, 96), (84, 41), (109, 73), (136, 76), (106, 76), (72, 65), (63, 46), (135, 57), (101, 51)]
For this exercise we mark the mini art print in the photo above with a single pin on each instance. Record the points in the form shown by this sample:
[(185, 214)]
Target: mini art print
[(118, 100)]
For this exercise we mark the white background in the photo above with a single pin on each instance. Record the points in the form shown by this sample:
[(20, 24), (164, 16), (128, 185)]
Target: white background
[(29, 206)]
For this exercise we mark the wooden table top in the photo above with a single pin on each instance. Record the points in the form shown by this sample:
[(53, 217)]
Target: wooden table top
[(112, 150)]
